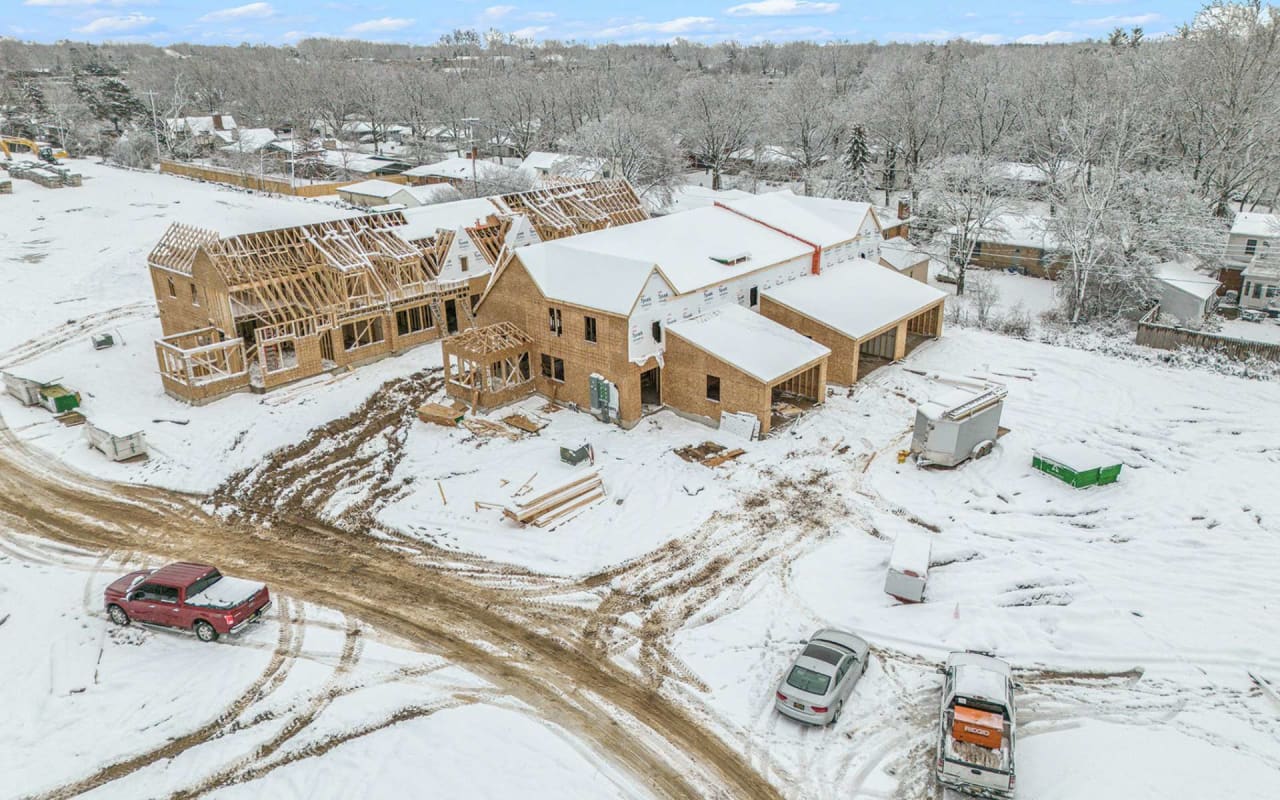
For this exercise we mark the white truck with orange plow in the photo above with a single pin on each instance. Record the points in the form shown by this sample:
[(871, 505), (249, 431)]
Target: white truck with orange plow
[(975, 743)]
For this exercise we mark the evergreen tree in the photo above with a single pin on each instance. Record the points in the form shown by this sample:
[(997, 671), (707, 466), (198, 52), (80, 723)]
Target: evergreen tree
[(107, 97), (853, 181)]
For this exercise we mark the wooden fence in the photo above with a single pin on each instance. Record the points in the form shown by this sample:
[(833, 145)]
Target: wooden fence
[(1152, 333), (262, 183)]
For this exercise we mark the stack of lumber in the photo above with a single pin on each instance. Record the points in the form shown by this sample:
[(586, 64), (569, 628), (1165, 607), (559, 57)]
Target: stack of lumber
[(557, 504), (486, 429), (521, 422), (440, 415), (709, 454)]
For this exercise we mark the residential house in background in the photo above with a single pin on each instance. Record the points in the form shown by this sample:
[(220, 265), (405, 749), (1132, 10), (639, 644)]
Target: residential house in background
[(1021, 242), (565, 165), (905, 258), (461, 173), (1261, 282), (1252, 233), (373, 193), (1186, 295)]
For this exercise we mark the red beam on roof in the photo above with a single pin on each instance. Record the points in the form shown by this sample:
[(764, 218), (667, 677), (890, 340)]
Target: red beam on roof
[(816, 264)]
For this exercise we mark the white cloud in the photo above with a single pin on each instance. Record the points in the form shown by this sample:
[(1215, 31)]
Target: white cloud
[(498, 12), (1111, 22), (128, 22), (781, 8), (530, 32), (382, 25), (1052, 37), (671, 26), (250, 11)]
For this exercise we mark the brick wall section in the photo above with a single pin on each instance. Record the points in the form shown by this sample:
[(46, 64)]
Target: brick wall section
[(842, 364), (517, 299), (684, 384), (177, 313)]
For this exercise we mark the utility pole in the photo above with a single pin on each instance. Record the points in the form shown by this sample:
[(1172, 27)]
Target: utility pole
[(155, 125)]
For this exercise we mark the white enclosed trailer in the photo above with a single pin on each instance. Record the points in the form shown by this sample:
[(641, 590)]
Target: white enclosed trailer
[(909, 567), (961, 423)]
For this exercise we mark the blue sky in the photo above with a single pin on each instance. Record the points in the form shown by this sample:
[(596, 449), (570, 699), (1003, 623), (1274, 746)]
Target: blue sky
[(282, 21)]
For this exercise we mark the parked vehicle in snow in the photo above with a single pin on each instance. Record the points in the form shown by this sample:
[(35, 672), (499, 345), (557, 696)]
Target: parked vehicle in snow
[(977, 726), (194, 597), (959, 424), (822, 677)]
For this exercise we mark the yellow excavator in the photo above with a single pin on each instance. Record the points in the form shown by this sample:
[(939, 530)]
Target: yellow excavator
[(16, 144)]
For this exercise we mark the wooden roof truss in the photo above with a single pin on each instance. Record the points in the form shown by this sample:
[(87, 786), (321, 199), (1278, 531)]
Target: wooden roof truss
[(565, 209), (490, 236), (177, 249)]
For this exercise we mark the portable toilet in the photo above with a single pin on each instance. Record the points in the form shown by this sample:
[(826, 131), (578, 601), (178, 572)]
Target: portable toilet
[(909, 567), (1076, 465), (961, 423)]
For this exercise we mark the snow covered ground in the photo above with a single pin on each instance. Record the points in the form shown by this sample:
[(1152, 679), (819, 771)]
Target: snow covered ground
[(307, 704), (1268, 330), (1133, 613)]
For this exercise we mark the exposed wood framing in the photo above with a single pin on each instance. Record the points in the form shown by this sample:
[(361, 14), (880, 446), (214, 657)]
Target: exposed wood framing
[(177, 249), (569, 208)]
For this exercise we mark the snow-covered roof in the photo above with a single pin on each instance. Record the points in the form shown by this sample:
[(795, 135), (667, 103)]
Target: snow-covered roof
[(1020, 171), (857, 298), (196, 125), (251, 140), (1074, 456), (1183, 277), (819, 220), (749, 341), (682, 246), (687, 198), (1018, 230), (954, 397), (373, 188), (433, 193), (565, 164), (901, 254), (911, 553), (426, 220), (457, 169), (980, 676), (768, 154), (1262, 268), (573, 275), (1253, 223)]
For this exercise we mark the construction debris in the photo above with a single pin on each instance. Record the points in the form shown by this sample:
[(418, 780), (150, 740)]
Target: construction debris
[(523, 423), (486, 429), (557, 504), (71, 419), (439, 414), (709, 454)]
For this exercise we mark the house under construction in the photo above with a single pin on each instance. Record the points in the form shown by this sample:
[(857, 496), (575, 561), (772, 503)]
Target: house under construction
[(262, 309)]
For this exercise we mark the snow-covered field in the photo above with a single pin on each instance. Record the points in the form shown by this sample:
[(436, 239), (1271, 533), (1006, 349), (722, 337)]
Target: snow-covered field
[(1134, 613)]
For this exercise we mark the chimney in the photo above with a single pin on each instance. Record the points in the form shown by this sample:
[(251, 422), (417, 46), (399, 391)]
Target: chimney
[(904, 209), (472, 155)]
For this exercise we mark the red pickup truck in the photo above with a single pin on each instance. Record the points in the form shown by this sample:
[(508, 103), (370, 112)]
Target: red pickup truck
[(191, 596)]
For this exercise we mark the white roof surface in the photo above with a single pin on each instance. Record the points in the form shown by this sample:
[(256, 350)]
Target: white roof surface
[(1075, 457), (1021, 171), (1018, 230), (426, 220), (901, 253), (687, 198), (1253, 223), (980, 676), (562, 164), (749, 341), (606, 269), (1187, 279), (251, 140), (822, 221), (433, 193), (952, 398), (582, 277), (857, 298), (911, 553), (374, 188), (456, 169)]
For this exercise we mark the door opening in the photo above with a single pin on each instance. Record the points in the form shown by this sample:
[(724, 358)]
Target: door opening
[(651, 387)]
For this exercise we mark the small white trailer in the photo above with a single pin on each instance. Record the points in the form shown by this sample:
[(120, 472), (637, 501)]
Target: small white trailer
[(116, 448), (909, 567), (961, 423), (25, 390)]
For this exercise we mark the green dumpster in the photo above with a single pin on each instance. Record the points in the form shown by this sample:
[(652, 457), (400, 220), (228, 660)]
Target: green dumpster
[(58, 398), (1076, 465)]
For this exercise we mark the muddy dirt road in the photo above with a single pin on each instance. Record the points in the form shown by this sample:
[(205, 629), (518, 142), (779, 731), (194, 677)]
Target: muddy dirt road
[(487, 618)]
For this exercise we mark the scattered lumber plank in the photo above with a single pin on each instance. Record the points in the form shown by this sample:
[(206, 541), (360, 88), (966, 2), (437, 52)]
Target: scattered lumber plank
[(521, 422), (489, 430), (716, 461), (71, 419), (558, 502)]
